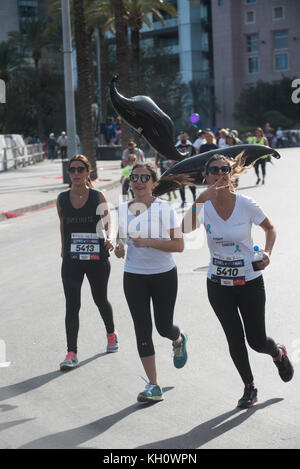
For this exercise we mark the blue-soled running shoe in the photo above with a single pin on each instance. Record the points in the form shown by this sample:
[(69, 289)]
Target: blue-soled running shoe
[(71, 361), (152, 393), (180, 353), (112, 343)]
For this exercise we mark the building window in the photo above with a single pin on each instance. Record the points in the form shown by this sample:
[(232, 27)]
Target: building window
[(281, 62), (250, 17), (250, 1), (252, 43), (220, 3), (280, 40), (278, 13), (253, 64)]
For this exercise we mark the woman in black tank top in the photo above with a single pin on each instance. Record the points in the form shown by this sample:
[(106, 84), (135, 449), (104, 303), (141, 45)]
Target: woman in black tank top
[(85, 251)]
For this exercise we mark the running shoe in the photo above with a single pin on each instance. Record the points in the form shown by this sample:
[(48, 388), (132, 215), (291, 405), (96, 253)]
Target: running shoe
[(152, 393), (112, 343), (249, 397), (71, 361), (285, 368), (180, 353)]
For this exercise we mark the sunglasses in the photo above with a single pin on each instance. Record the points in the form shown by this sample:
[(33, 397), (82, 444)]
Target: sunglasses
[(216, 169), (80, 169), (143, 177)]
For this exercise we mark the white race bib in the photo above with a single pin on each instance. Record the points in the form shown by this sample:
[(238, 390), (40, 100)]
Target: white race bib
[(85, 246), (228, 270)]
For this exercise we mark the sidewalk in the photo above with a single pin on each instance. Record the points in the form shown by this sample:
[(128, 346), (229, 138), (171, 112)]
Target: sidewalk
[(35, 187)]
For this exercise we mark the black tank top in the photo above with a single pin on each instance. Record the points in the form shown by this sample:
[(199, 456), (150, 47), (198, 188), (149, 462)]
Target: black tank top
[(82, 229)]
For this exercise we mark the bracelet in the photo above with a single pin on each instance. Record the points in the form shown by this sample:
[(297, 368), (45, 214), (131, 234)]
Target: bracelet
[(195, 208)]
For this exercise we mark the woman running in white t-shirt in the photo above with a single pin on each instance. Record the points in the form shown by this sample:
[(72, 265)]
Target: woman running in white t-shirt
[(151, 231), (232, 284)]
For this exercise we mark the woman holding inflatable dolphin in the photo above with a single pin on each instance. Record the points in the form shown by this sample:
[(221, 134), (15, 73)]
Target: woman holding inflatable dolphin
[(233, 285)]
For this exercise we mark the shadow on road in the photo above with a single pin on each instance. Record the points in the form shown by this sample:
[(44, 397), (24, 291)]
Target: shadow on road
[(13, 390), (209, 430), (73, 438)]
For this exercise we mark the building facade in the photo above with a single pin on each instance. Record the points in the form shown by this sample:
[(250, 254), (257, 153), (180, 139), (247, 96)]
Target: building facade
[(187, 40), (252, 40)]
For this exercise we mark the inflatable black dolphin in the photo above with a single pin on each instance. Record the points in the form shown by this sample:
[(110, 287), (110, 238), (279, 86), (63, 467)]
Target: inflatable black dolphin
[(194, 166), (148, 120)]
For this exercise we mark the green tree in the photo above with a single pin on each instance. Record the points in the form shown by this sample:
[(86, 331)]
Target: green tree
[(257, 101), (32, 40)]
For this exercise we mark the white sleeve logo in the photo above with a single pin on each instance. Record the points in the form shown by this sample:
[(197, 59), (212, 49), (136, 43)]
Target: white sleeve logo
[(2, 92), (3, 362), (296, 93)]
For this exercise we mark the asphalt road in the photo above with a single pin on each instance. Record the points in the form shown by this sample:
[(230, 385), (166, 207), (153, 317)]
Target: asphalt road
[(95, 405)]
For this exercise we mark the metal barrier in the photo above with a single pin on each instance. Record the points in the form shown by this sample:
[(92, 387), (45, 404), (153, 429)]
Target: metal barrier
[(18, 157)]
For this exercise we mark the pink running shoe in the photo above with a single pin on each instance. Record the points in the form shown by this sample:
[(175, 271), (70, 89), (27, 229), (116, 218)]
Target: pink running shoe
[(112, 343), (71, 361)]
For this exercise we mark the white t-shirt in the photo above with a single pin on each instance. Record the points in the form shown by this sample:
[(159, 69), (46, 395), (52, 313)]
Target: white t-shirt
[(155, 223), (230, 240), (197, 143), (222, 143)]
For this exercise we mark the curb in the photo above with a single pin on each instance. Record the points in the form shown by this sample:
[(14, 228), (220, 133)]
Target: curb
[(7, 215)]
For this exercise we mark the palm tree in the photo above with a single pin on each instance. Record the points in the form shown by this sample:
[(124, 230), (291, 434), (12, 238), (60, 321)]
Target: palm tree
[(10, 59), (85, 85), (138, 12)]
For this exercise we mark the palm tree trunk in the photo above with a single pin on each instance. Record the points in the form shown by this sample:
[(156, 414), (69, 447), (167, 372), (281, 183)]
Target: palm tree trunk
[(122, 54), (39, 110), (85, 89), (104, 76), (135, 48)]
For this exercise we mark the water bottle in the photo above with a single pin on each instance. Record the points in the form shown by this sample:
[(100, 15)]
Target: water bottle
[(257, 257)]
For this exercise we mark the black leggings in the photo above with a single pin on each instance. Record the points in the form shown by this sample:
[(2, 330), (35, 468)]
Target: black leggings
[(162, 289), (72, 272), (182, 192), (262, 163), (250, 300)]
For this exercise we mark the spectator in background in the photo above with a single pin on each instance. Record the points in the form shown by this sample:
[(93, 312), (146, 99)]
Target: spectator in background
[(279, 137), (182, 132), (260, 139), (210, 142), (268, 131), (222, 138), (132, 148), (236, 136), (51, 147), (118, 131), (231, 140), (249, 138), (200, 140), (62, 143), (185, 146), (125, 177), (110, 131)]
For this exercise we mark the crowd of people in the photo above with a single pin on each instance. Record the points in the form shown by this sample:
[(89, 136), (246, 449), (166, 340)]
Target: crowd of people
[(205, 140), (149, 231), (58, 147)]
